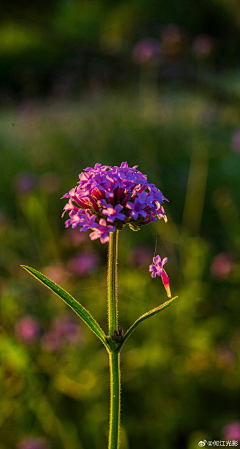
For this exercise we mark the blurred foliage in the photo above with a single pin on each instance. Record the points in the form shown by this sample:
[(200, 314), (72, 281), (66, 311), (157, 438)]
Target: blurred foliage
[(73, 93), (77, 41)]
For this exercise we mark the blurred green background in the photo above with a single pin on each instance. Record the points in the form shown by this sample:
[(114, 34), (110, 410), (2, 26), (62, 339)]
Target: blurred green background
[(156, 84)]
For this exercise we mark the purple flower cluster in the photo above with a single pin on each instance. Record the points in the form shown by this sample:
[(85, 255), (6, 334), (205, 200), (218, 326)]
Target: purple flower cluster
[(108, 198)]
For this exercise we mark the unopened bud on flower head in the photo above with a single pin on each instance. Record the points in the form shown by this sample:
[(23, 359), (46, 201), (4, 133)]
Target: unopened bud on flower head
[(109, 198)]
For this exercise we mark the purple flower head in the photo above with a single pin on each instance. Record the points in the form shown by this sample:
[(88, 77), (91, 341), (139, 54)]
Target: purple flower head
[(27, 329), (33, 443), (157, 269), (108, 198)]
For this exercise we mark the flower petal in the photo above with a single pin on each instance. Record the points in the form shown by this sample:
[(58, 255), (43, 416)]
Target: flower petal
[(105, 238), (94, 235), (157, 260)]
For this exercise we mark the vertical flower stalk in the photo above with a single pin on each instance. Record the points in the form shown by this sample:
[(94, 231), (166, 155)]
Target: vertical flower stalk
[(114, 356), (112, 282), (115, 389), (105, 201)]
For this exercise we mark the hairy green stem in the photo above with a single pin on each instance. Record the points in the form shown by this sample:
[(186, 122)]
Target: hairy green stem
[(115, 387), (114, 356), (112, 282)]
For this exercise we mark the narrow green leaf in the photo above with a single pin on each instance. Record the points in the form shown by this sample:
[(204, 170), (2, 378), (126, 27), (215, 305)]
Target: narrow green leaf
[(75, 305), (144, 317)]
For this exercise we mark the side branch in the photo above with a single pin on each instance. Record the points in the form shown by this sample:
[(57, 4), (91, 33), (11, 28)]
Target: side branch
[(144, 317)]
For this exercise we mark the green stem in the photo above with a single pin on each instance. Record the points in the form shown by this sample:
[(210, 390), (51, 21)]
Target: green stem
[(112, 282), (115, 387), (114, 356)]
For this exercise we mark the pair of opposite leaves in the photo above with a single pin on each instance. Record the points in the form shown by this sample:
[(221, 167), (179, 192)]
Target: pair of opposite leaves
[(88, 318)]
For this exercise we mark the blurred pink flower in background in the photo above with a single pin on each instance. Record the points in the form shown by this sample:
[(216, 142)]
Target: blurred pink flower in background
[(140, 256), (63, 329), (34, 443), (146, 50), (67, 328), (203, 45), (236, 141), (25, 183), (232, 431), (83, 263), (27, 329), (222, 265), (56, 273), (52, 341)]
